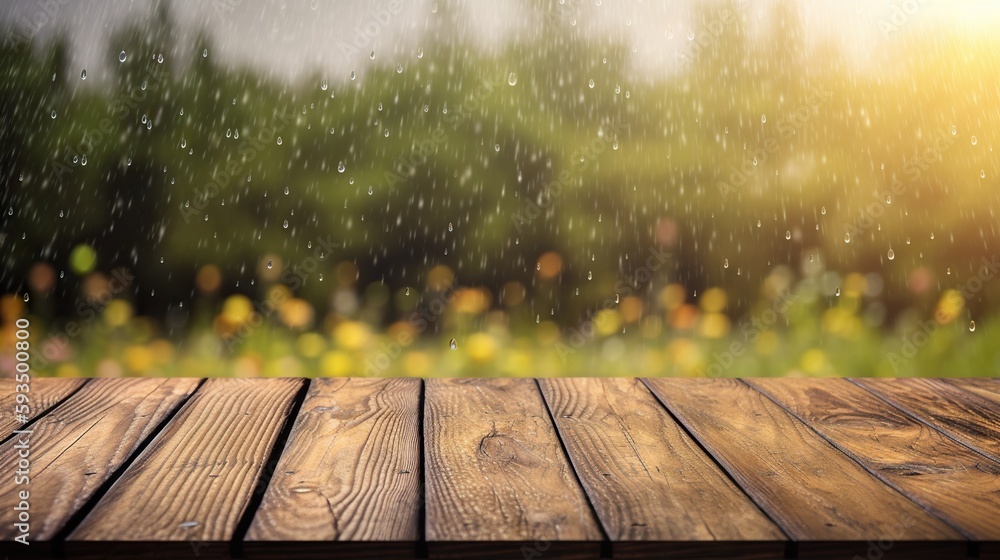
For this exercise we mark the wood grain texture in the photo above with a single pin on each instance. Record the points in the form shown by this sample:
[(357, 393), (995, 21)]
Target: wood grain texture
[(812, 490), (195, 479), (76, 447), (986, 387), (495, 470), (948, 479), (350, 470), (647, 479), (44, 393), (963, 415)]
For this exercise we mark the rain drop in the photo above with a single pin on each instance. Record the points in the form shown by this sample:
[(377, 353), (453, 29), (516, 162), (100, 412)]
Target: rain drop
[(590, 275), (972, 326), (370, 190), (837, 293), (982, 173), (496, 147), (352, 75), (420, 52), (763, 119), (83, 76), (279, 140), (399, 68), (888, 199), (121, 55), (788, 234), (286, 190), (954, 130), (512, 78), (847, 238), (891, 255), (725, 263), (453, 344), (974, 141), (450, 227), (758, 223), (159, 59), (372, 55), (269, 264), (285, 224), (591, 84), (340, 167), (53, 113), (204, 53), (323, 84), (25, 297), (823, 210)]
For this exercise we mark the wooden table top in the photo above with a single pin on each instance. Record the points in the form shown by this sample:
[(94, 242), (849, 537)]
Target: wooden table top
[(506, 468)]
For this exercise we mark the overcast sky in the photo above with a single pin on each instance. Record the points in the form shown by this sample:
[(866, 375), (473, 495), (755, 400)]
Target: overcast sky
[(288, 38)]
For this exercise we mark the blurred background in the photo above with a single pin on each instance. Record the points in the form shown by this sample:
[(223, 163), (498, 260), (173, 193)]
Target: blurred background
[(526, 188)]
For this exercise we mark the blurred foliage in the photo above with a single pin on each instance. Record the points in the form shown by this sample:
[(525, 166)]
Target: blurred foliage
[(203, 183)]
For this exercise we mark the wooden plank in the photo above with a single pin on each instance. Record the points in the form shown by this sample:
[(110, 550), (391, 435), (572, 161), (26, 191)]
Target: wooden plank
[(653, 488), (498, 482), (188, 490), (818, 495), (75, 448), (44, 392), (350, 472), (965, 416), (986, 387), (950, 480)]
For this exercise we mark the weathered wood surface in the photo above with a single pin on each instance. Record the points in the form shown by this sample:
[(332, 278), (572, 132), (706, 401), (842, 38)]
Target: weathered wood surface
[(43, 393), (508, 468), (495, 470), (194, 481), (351, 468), (964, 415), (648, 480), (78, 446), (950, 480), (812, 490)]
